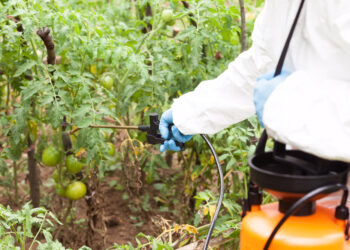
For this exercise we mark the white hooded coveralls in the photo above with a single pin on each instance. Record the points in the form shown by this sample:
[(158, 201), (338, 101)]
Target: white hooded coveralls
[(309, 111)]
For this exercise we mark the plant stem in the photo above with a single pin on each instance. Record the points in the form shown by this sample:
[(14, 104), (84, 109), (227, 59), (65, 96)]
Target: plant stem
[(41, 226), (34, 50), (64, 219), (17, 235), (148, 36), (15, 180), (243, 27), (67, 211), (24, 235), (60, 173), (82, 64), (8, 98), (34, 174)]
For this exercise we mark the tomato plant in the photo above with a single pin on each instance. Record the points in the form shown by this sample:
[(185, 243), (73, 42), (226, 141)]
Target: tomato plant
[(16, 227), (114, 62)]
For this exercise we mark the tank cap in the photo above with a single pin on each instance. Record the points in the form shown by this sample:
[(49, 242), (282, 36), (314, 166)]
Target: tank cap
[(342, 212)]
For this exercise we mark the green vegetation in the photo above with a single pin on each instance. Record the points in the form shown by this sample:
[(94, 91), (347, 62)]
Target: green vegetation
[(114, 62)]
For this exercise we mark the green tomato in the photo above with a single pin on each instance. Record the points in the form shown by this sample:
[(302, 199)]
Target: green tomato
[(50, 156), (219, 150), (107, 82), (73, 165), (76, 190), (168, 17), (61, 191), (110, 149)]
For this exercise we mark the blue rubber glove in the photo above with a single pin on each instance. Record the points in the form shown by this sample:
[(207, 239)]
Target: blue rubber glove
[(169, 145), (264, 86), (170, 136)]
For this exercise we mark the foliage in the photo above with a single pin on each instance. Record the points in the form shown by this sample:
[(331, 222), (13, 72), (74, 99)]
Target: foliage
[(93, 40), (116, 64), (16, 228), (151, 242)]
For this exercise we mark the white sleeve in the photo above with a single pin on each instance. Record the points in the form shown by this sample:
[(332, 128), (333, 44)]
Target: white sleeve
[(312, 113), (228, 99)]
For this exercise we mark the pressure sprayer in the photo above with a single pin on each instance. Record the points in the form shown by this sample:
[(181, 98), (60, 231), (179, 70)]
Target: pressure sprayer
[(297, 180)]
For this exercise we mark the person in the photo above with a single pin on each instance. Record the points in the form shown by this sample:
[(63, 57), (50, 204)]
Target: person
[(306, 107)]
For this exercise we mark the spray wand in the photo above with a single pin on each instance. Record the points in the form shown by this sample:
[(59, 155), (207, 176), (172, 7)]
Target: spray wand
[(153, 136)]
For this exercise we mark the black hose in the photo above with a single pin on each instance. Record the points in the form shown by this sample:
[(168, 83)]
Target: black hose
[(300, 202), (221, 196)]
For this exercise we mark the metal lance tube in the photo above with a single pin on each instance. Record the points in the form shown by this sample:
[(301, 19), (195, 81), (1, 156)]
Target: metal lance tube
[(114, 126), (107, 126)]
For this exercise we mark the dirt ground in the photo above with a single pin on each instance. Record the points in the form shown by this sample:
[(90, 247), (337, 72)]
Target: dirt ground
[(119, 220)]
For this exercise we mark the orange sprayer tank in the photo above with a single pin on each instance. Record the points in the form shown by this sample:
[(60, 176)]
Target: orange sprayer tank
[(298, 180), (319, 231)]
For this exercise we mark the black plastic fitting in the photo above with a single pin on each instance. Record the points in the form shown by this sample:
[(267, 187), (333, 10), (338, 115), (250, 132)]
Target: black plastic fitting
[(342, 212)]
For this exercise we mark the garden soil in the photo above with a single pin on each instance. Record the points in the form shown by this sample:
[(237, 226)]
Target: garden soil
[(122, 219)]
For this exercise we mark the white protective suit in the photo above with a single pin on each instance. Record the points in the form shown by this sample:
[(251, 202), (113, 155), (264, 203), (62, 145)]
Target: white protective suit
[(309, 111)]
